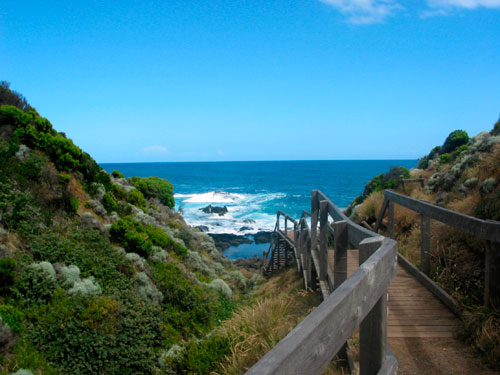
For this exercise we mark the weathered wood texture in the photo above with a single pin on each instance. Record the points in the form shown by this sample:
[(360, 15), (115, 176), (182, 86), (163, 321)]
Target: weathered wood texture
[(309, 347), (373, 329), (414, 312), (484, 229)]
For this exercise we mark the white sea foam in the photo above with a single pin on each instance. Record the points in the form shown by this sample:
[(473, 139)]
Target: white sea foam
[(246, 212), (211, 197)]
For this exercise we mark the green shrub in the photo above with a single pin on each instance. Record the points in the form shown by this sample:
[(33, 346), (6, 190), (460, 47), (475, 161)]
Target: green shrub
[(456, 139), (7, 274), (155, 187), (461, 149), (116, 174), (71, 205), (64, 178), (424, 164), (203, 357), (35, 286), (98, 335), (186, 305), (31, 167), (118, 192), (12, 316), (136, 198), (444, 158), (109, 203)]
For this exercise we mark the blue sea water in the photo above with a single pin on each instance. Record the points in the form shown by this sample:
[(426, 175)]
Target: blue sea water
[(254, 191)]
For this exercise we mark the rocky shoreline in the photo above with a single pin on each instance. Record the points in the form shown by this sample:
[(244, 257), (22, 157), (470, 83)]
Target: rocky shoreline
[(225, 240)]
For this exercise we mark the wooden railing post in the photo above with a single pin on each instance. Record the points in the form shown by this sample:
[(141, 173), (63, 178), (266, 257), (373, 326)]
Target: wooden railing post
[(340, 253), (492, 274), (306, 257), (314, 218), (340, 264), (323, 240), (425, 246), (373, 329), (390, 220)]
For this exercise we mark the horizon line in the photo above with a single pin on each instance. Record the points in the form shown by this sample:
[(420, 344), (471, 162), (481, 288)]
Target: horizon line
[(244, 161)]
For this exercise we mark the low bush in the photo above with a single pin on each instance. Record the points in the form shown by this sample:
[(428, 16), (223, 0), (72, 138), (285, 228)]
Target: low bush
[(187, 307), (136, 198), (12, 316), (444, 158), (116, 174), (109, 203), (155, 187), (454, 140)]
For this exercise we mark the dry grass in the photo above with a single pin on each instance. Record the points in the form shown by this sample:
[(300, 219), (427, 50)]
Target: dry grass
[(279, 305)]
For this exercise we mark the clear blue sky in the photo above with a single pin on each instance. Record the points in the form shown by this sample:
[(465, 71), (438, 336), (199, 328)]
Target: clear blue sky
[(255, 80)]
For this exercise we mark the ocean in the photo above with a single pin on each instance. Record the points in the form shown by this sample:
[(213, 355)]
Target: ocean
[(254, 191)]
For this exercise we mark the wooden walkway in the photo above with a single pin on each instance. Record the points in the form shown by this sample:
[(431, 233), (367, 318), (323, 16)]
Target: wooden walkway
[(413, 310)]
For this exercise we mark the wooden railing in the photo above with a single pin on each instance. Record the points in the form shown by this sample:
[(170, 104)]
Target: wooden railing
[(360, 300), (483, 229)]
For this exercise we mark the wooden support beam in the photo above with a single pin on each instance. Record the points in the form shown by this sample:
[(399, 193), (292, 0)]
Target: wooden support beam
[(373, 329), (425, 245), (381, 215)]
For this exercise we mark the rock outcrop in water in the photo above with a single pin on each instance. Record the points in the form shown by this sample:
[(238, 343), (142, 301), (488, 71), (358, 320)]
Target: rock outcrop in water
[(214, 210)]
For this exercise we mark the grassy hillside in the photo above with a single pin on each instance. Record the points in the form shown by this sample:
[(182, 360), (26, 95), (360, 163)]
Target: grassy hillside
[(463, 174), (98, 273)]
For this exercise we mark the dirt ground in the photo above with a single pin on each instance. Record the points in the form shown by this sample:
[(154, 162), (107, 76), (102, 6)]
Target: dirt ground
[(445, 356)]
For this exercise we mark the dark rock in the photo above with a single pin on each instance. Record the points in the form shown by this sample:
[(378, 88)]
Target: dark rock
[(203, 228), (252, 264), (225, 240), (262, 237), (6, 337), (214, 210), (249, 221), (245, 228)]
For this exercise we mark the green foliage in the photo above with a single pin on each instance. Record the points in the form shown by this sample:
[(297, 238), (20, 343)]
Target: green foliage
[(118, 192), (7, 274), (91, 252), (496, 128), (203, 357), (389, 180), (109, 203), (461, 149), (444, 158), (136, 198), (10, 97), (31, 167), (140, 239), (72, 205), (12, 316), (423, 164), (34, 286), (64, 178), (488, 207), (37, 133), (132, 236), (27, 356), (98, 335), (187, 307), (19, 210), (456, 139), (116, 174), (155, 187)]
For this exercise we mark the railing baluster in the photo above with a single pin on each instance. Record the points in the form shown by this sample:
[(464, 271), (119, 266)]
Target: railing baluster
[(314, 218), (390, 220), (323, 241), (425, 248)]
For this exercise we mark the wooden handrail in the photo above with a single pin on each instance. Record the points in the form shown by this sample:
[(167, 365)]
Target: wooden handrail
[(483, 229), (348, 302)]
